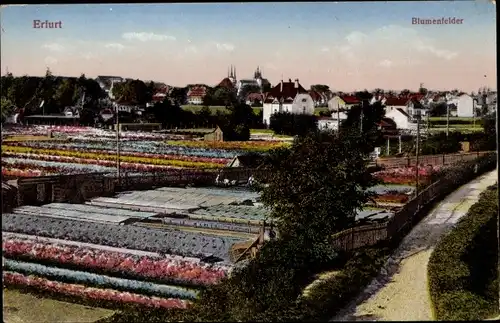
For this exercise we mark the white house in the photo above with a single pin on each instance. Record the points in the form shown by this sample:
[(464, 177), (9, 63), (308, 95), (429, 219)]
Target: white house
[(394, 103), (287, 97), (414, 107), (401, 118), (332, 122), (342, 102), (465, 106)]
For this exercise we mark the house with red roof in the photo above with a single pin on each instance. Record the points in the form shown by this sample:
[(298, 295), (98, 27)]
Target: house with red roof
[(254, 98), (342, 102), (287, 97), (196, 95)]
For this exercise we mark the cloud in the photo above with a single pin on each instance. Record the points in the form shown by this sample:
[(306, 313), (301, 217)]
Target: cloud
[(191, 49), (49, 60), (89, 56), (399, 41), (325, 49), (386, 63), (54, 47), (116, 46), (144, 37), (224, 47)]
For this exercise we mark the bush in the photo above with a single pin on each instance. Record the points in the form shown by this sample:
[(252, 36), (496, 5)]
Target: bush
[(285, 123), (463, 267)]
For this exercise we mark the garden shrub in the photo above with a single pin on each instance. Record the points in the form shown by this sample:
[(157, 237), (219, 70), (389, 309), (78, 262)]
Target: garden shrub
[(463, 267)]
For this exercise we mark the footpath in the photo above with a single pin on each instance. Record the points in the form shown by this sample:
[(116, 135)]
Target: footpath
[(400, 292)]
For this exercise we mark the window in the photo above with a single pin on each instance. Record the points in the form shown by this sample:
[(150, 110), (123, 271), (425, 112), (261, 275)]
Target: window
[(304, 110), (304, 100)]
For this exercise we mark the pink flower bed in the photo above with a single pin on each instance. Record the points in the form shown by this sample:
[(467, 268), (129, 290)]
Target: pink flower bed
[(91, 292), (405, 175), (169, 269)]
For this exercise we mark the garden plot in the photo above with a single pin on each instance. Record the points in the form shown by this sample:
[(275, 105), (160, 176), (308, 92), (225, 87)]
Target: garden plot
[(163, 241), (237, 192), (386, 188), (220, 212), (368, 214), (44, 211), (100, 210)]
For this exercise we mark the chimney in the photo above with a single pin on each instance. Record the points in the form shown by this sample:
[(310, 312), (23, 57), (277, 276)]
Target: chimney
[(281, 87), (296, 83), (289, 80)]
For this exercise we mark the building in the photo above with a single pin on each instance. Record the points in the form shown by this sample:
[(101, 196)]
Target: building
[(400, 118), (342, 102), (254, 98), (196, 95), (257, 81), (465, 106), (394, 103), (251, 160), (215, 135), (287, 97)]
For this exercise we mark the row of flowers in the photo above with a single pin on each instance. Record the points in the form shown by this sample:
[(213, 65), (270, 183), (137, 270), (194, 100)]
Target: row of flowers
[(406, 175), (142, 146), (110, 157), (101, 281), (14, 172), (78, 290), (143, 151), (85, 132), (263, 145), (168, 269), (69, 166), (392, 198)]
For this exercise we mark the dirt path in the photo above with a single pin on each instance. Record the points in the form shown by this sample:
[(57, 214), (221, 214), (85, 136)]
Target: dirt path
[(400, 292)]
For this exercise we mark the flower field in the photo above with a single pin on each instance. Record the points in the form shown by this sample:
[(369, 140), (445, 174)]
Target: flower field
[(78, 290), (406, 175), (165, 270), (232, 145)]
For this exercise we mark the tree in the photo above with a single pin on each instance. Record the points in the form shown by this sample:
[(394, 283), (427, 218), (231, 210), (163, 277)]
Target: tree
[(438, 109), (317, 186), (320, 88), (405, 92), (286, 123), (224, 96), (179, 95), (372, 115), (205, 115), (132, 91), (423, 91), (7, 108), (65, 93)]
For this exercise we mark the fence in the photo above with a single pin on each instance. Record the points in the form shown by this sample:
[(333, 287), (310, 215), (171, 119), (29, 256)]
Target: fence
[(434, 160), (404, 219), (77, 188)]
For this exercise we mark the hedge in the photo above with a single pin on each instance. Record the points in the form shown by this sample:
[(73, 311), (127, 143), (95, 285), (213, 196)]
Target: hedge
[(463, 277)]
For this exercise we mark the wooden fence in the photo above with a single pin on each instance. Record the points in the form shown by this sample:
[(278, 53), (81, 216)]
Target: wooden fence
[(434, 160), (402, 221)]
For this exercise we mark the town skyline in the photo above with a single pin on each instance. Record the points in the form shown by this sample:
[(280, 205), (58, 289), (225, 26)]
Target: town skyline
[(382, 50)]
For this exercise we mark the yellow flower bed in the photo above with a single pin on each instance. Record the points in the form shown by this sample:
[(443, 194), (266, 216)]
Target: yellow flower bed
[(98, 156), (243, 145)]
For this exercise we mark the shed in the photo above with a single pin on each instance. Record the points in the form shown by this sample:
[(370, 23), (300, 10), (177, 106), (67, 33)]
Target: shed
[(215, 135), (247, 161)]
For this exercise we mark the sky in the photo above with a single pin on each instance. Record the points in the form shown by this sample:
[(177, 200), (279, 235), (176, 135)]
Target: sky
[(345, 45)]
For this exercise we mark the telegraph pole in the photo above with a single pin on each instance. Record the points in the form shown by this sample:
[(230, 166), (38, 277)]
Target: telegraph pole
[(417, 153), (361, 116), (447, 119), (117, 145)]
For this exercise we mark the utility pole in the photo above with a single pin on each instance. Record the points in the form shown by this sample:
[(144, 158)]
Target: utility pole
[(447, 119), (338, 118), (117, 145), (361, 116), (417, 153)]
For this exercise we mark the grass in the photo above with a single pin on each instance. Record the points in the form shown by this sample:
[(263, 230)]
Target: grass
[(19, 307), (451, 119), (462, 130)]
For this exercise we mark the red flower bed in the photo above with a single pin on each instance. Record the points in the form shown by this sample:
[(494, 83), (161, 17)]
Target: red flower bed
[(166, 270), (392, 198), (90, 292)]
